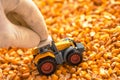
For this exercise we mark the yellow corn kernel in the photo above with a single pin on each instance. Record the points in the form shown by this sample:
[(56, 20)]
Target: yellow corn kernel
[(84, 65), (88, 76), (54, 77)]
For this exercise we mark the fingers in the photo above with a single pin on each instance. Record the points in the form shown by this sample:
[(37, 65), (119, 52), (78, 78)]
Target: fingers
[(9, 5), (33, 17), (44, 43), (19, 37), (3, 18)]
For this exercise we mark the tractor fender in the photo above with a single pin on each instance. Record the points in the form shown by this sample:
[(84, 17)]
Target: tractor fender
[(43, 55), (67, 51)]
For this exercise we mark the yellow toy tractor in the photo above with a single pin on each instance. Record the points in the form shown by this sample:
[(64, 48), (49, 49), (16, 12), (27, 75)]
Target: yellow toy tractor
[(46, 58)]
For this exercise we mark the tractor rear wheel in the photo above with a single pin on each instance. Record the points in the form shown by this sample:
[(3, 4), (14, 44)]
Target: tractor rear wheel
[(74, 58), (46, 66)]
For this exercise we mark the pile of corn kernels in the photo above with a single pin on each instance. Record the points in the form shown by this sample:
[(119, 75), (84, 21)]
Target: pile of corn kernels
[(95, 23)]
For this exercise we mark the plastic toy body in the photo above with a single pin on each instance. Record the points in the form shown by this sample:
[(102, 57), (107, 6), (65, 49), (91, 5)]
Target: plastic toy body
[(46, 58)]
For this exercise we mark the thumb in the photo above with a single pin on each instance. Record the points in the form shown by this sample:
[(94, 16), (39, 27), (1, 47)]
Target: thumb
[(18, 36)]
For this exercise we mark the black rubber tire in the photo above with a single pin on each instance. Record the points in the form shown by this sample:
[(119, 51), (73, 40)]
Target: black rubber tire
[(52, 65), (71, 55)]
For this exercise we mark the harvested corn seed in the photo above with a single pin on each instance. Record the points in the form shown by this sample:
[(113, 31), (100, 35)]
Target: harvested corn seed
[(95, 23)]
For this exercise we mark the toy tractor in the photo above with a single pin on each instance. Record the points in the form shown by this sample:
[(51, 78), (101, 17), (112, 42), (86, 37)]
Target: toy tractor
[(48, 57)]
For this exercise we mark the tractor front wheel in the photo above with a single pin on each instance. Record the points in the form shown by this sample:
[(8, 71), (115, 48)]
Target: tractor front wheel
[(74, 58)]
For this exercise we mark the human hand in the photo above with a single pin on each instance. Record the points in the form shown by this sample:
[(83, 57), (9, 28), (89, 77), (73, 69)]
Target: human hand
[(21, 24)]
